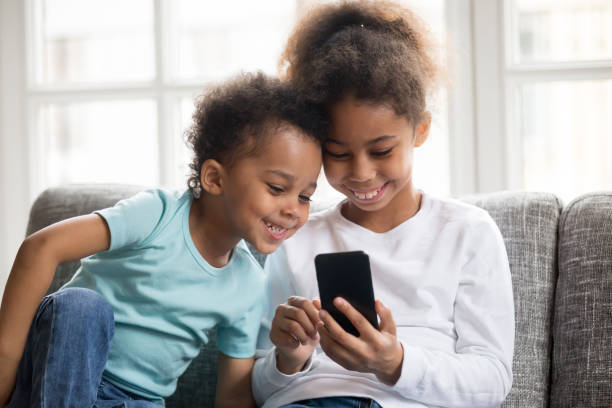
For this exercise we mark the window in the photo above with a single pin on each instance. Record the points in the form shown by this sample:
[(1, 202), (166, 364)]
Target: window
[(431, 160), (110, 79), (547, 31), (115, 79), (91, 42), (558, 84)]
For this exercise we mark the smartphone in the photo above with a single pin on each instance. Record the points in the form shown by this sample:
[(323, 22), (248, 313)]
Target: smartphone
[(346, 274)]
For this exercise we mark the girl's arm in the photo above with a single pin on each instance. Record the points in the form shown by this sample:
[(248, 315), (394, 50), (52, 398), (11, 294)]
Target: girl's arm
[(478, 373), (234, 382), (30, 278)]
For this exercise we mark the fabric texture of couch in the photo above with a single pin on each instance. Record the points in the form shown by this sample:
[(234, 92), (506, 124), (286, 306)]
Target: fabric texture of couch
[(561, 263)]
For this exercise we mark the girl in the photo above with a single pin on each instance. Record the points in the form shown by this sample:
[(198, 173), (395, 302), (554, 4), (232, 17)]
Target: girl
[(163, 268), (439, 267)]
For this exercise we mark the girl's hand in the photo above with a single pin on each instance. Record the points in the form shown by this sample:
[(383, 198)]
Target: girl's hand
[(377, 352), (294, 333)]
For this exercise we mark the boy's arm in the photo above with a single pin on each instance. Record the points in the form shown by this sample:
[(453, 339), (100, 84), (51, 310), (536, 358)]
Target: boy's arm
[(234, 382), (266, 378), (30, 278)]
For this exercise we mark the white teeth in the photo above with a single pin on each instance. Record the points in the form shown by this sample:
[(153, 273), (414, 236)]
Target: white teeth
[(275, 229), (366, 196)]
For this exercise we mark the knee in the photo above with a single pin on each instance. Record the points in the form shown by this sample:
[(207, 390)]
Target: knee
[(83, 305), (85, 301)]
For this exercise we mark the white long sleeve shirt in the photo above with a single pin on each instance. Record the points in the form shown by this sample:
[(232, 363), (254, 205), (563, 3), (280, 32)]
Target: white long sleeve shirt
[(445, 277)]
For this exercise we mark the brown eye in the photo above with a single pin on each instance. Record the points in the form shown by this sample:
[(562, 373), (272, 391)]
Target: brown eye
[(275, 189), (305, 198), (381, 153), (336, 155)]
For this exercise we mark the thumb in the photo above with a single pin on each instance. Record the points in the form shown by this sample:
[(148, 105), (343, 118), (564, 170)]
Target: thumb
[(387, 324)]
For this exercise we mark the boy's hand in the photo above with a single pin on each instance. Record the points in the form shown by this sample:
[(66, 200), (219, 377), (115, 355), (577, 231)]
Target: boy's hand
[(377, 352), (294, 333)]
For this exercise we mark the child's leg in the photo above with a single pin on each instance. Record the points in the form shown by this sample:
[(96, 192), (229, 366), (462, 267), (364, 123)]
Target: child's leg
[(66, 351), (110, 396), (335, 402)]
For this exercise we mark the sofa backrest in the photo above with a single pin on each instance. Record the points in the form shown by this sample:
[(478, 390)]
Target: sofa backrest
[(528, 223), (58, 203), (582, 356)]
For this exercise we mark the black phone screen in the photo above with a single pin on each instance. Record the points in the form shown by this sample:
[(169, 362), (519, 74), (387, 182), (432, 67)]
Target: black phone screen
[(346, 274)]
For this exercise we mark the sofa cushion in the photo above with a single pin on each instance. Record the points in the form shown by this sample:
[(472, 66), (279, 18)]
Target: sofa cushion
[(528, 223), (582, 355)]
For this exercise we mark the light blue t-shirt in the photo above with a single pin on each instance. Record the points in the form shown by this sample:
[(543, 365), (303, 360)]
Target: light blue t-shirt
[(165, 296)]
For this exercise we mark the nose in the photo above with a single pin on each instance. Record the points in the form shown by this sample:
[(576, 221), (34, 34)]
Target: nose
[(293, 208), (361, 169)]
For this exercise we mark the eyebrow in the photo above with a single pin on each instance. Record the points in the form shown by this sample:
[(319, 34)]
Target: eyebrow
[(371, 142), (290, 178)]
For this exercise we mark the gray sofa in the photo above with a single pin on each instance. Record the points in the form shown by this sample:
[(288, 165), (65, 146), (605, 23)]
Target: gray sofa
[(561, 262)]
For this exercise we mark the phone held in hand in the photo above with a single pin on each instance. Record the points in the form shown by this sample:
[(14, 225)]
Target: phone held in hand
[(346, 275)]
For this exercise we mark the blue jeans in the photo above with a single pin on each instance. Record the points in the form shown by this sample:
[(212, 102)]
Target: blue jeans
[(65, 355), (335, 402)]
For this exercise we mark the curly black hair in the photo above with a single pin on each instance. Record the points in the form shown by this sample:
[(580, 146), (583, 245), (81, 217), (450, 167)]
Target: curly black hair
[(377, 51), (234, 119)]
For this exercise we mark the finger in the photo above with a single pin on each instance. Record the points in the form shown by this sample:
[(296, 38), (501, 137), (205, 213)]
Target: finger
[(361, 323), (292, 311), (312, 313), (336, 350), (387, 324), (299, 315), (317, 304), (284, 322), (294, 329), (283, 339), (332, 329)]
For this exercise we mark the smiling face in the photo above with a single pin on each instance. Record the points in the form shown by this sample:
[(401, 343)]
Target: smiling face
[(369, 157), (267, 195)]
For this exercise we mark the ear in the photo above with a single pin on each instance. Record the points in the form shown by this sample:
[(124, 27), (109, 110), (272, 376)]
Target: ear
[(422, 129), (212, 175)]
